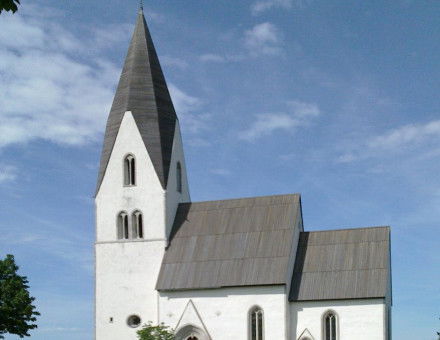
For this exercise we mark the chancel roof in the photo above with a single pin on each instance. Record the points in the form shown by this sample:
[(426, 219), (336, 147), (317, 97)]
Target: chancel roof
[(240, 242), (142, 89), (342, 264)]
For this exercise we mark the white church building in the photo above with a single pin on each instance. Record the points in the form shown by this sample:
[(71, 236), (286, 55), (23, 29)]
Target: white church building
[(242, 269)]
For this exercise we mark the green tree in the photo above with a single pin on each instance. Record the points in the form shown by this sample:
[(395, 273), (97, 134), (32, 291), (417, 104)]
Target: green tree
[(9, 5), (17, 313), (151, 332), (438, 334)]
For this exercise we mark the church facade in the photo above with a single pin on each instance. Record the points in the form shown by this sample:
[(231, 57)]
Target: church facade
[(232, 269)]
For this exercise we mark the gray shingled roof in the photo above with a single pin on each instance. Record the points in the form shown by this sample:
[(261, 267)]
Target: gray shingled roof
[(228, 243), (142, 89), (342, 264)]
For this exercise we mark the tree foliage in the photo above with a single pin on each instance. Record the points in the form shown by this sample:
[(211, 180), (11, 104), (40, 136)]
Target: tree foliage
[(438, 334), (9, 5), (152, 332), (17, 313)]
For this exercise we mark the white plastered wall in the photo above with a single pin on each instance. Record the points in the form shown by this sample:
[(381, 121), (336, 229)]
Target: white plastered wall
[(224, 311), (126, 270), (361, 319)]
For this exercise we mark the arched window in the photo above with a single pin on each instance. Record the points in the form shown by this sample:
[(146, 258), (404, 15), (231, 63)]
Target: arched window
[(129, 170), (137, 225), (330, 324), (123, 225), (256, 324), (179, 177)]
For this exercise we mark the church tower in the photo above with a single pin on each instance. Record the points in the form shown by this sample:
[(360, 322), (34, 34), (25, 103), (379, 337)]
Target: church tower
[(141, 181)]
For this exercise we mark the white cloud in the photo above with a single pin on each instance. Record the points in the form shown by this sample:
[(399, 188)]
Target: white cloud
[(263, 38), (217, 58), (173, 62), (412, 134), (183, 102), (46, 91), (264, 5), (8, 173), (109, 36), (152, 15), (394, 141), (265, 124), (187, 108), (220, 172), (303, 110), (210, 57)]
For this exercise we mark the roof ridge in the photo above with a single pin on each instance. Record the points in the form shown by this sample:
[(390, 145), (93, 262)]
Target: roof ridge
[(338, 271), (333, 243), (243, 198), (350, 228)]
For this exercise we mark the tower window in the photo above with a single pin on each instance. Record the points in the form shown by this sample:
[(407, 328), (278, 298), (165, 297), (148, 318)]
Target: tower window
[(137, 225), (122, 225), (129, 170), (256, 324), (179, 177), (330, 326)]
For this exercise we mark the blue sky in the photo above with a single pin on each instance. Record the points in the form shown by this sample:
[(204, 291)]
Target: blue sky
[(337, 100)]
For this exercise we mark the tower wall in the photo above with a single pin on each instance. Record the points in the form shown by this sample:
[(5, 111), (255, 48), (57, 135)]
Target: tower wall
[(127, 270), (172, 196)]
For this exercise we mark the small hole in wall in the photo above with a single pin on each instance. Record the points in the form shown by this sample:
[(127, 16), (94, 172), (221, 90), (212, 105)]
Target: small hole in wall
[(111, 319)]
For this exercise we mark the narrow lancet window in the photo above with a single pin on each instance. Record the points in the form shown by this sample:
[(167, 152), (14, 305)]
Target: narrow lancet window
[(129, 170), (138, 225), (123, 226), (330, 326), (256, 324), (179, 177)]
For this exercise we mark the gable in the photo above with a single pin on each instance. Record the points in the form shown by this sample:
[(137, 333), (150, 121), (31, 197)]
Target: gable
[(191, 323), (241, 242)]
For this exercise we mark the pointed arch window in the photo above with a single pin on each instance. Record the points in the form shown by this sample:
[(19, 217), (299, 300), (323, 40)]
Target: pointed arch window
[(256, 324), (330, 325), (137, 225), (179, 177), (129, 170), (123, 226)]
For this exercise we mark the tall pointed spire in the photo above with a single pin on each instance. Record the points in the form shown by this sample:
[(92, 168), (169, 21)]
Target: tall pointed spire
[(142, 89)]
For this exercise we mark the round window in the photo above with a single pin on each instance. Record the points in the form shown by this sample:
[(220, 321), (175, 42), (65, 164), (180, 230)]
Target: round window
[(134, 321)]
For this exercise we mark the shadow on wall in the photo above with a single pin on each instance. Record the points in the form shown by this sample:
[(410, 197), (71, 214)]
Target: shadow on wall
[(181, 217), (299, 265)]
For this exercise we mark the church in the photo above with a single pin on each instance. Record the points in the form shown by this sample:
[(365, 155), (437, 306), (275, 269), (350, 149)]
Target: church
[(244, 268)]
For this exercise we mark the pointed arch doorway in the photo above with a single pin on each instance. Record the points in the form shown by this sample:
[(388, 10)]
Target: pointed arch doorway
[(190, 332)]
